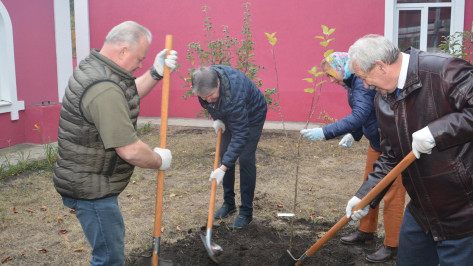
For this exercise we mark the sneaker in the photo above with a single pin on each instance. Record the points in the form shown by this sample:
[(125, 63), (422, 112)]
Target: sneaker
[(224, 211), (241, 221)]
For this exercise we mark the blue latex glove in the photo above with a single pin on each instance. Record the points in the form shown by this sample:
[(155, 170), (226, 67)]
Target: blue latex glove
[(313, 134), (346, 141)]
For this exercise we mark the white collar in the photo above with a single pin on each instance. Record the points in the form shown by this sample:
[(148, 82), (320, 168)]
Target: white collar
[(401, 81)]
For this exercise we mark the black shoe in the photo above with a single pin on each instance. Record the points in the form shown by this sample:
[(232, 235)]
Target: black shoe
[(241, 221), (383, 254), (358, 237), (224, 211)]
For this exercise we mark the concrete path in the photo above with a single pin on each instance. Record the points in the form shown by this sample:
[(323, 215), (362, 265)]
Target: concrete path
[(31, 151)]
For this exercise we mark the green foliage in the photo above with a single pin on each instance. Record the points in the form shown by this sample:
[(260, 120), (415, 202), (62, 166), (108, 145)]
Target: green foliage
[(145, 129), (459, 44), (50, 150), (224, 50)]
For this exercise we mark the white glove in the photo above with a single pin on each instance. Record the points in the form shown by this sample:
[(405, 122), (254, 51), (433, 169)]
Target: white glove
[(218, 124), (357, 215), (313, 134), (166, 158), (422, 142), (346, 141), (217, 174), (171, 61)]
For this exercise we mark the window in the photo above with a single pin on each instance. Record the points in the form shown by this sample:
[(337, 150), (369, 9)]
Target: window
[(8, 93), (422, 23)]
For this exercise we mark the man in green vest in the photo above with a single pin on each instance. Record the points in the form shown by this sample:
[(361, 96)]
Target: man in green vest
[(97, 140)]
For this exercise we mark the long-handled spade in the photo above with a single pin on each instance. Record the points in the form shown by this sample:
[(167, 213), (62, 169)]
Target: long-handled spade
[(162, 144), (287, 259), (212, 248)]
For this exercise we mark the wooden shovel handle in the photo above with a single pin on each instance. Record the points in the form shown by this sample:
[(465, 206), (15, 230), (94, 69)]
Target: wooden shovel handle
[(214, 182), (162, 144), (395, 172)]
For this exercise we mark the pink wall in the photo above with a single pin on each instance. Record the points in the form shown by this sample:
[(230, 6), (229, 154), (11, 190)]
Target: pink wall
[(35, 66), (296, 24)]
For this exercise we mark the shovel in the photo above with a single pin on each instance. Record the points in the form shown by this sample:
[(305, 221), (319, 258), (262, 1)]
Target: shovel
[(212, 248), (287, 259), (162, 144)]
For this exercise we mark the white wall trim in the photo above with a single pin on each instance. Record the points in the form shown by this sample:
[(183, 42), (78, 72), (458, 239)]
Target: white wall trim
[(81, 9), (8, 94), (62, 21)]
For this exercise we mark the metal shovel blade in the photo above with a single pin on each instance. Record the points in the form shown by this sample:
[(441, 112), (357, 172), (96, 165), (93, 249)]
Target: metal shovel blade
[(213, 249), (288, 260)]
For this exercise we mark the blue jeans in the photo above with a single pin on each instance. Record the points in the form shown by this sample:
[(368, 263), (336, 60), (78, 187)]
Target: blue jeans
[(417, 248), (102, 223), (247, 161)]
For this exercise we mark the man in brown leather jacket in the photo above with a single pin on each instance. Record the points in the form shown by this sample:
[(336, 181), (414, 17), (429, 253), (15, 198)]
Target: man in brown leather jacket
[(424, 104)]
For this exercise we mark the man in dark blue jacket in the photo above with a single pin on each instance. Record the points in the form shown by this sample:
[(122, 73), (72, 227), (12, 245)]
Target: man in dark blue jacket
[(238, 108)]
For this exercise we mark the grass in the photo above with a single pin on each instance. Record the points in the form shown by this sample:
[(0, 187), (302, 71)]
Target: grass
[(329, 175)]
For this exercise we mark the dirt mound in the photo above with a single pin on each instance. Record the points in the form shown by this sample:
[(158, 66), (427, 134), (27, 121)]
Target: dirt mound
[(261, 244)]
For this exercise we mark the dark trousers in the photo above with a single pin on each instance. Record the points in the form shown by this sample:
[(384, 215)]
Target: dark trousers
[(418, 249), (247, 162)]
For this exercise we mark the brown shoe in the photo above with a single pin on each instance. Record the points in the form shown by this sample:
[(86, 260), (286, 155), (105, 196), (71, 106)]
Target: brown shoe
[(358, 237), (383, 254)]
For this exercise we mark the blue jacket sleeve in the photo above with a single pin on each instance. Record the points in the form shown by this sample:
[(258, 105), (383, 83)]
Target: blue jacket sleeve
[(362, 105), (237, 123)]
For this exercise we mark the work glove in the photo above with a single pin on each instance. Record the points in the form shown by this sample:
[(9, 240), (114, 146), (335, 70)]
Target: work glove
[(217, 174), (313, 134), (422, 142), (170, 61), (166, 158), (346, 141), (357, 215), (218, 124)]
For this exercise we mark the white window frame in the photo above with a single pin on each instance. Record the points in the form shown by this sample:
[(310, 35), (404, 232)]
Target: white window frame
[(391, 18), (8, 92), (62, 24)]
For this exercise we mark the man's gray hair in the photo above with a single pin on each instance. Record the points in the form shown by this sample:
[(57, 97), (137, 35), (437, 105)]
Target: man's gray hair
[(129, 32), (370, 48), (204, 80)]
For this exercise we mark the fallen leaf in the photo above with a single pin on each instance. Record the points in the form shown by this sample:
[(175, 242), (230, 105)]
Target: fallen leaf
[(72, 211), (187, 193), (178, 228), (42, 250), (6, 259), (46, 217), (78, 249), (66, 239), (280, 206), (62, 231), (14, 210), (30, 210), (59, 220), (43, 208), (311, 187), (162, 229), (172, 195)]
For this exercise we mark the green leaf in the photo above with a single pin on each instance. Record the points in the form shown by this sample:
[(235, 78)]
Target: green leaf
[(328, 52), (331, 31), (309, 90), (318, 74), (320, 37), (325, 29), (313, 70), (320, 83), (310, 80), (324, 43)]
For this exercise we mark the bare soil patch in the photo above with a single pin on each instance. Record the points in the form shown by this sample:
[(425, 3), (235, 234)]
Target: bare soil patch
[(328, 177)]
